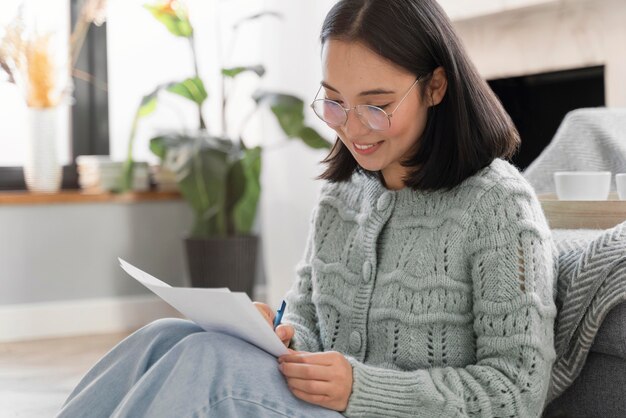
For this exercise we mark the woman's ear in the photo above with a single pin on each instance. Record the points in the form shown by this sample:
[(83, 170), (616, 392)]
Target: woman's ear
[(437, 86)]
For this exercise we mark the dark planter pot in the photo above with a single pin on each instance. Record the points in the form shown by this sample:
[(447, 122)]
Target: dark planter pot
[(223, 262)]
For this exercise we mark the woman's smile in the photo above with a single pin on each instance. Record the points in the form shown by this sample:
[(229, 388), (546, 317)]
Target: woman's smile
[(366, 149)]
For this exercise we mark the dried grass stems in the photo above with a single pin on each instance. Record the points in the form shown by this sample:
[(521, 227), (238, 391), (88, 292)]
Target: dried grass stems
[(92, 11), (29, 60)]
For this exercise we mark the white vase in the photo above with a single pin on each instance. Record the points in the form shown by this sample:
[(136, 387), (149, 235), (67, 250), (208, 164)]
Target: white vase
[(42, 170)]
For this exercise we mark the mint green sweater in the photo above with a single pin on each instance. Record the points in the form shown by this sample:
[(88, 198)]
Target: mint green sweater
[(442, 301)]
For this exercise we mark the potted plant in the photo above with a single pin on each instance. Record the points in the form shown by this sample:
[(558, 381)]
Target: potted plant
[(218, 176)]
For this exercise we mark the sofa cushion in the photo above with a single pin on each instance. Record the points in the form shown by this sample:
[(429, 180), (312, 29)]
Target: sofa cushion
[(597, 392), (611, 337)]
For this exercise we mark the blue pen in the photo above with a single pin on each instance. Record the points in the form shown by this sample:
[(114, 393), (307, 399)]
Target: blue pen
[(279, 314)]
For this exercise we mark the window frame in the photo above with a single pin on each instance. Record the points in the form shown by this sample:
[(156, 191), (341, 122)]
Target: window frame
[(89, 116)]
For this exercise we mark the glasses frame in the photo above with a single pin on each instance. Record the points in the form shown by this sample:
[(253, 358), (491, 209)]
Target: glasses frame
[(357, 107)]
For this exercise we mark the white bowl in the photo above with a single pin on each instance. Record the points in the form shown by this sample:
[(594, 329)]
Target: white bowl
[(620, 183), (582, 185)]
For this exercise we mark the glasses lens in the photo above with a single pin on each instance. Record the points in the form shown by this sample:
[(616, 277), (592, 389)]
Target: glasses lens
[(330, 112), (374, 117)]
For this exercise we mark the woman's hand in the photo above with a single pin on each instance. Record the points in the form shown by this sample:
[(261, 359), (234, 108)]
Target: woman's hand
[(323, 379), (284, 332)]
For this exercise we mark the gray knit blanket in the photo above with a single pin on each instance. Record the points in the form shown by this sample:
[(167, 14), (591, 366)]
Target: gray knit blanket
[(591, 281), (591, 139)]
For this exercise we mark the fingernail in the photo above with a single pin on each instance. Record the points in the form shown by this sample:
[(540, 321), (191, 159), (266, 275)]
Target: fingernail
[(281, 333)]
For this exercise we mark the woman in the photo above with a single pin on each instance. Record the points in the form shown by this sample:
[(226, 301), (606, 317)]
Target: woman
[(426, 287)]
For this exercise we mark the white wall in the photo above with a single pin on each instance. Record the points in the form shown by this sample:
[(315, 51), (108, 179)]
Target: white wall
[(290, 190), (57, 255), (463, 9), (69, 251)]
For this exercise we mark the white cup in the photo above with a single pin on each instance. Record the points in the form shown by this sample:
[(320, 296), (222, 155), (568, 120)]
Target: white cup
[(582, 185), (620, 183)]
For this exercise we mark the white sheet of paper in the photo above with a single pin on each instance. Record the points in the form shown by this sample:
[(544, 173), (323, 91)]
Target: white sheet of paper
[(215, 310)]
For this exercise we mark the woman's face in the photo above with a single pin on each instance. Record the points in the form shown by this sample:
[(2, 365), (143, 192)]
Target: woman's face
[(349, 71)]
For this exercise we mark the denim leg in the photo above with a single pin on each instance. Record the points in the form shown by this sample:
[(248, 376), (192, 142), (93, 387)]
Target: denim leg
[(102, 389), (210, 374)]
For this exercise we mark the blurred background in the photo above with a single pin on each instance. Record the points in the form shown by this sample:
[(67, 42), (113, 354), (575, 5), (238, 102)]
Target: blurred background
[(59, 245)]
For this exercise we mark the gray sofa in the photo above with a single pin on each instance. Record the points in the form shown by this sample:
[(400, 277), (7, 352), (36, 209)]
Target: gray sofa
[(591, 259), (600, 389)]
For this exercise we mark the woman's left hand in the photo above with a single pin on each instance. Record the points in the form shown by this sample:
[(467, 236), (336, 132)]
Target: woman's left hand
[(323, 379)]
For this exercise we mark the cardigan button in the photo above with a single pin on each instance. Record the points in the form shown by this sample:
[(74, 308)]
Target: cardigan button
[(383, 201), (355, 341), (367, 271)]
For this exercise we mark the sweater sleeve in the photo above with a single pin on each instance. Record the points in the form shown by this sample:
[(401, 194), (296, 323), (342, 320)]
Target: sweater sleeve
[(300, 311), (510, 260)]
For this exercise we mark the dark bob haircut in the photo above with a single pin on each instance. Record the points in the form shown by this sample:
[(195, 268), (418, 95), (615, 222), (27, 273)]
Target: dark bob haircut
[(466, 131)]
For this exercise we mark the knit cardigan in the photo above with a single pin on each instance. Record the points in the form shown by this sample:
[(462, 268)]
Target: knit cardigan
[(442, 301)]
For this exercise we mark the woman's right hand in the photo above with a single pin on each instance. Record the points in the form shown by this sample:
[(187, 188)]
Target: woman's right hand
[(283, 331)]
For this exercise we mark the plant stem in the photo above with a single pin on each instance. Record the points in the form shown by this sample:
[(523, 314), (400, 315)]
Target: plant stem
[(7, 70), (127, 175), (220, 55), (77, 37), (224, 126), (201, 188), (197, 73)]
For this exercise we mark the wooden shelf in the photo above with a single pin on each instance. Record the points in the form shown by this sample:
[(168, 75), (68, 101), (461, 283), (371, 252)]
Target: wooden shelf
[(77, 196), (583, 214)]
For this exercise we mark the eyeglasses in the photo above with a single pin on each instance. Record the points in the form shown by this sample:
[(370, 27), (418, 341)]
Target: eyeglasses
[(335, 115)]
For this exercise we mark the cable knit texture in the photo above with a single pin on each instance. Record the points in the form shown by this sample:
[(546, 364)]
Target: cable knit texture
[(442, 301)]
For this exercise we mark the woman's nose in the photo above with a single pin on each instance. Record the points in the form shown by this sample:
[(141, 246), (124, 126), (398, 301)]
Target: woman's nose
[(354, 127)]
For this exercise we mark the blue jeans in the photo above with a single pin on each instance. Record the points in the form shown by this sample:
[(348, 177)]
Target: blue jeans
[(172, 368)]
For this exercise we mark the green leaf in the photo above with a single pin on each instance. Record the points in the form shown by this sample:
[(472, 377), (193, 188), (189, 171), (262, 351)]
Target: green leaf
[(313, 139), (148, 105), (202, 164), (191, 88), (288, 109), (236, 188), (149, 102), (245, 210), (235, 71), (207, 178), (175, 20), (158, 146)]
